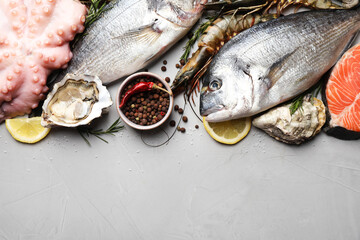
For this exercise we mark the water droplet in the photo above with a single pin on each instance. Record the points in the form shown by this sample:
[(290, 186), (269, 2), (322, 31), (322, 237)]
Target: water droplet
[(5, 151), (138, 151), (130, 169)]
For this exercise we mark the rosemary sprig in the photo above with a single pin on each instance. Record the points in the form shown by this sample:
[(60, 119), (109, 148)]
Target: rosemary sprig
[(298, 101), (198, 32), (86, 132), (95, 9)]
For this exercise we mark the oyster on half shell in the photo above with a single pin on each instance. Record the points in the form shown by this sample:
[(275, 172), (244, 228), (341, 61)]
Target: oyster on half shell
[(76, 100), (304, 124)]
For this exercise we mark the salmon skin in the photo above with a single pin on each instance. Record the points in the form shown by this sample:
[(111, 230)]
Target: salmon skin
[(343, 97), (274, 61)]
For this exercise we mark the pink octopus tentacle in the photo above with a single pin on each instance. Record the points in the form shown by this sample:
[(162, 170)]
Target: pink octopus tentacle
[(34, 40)]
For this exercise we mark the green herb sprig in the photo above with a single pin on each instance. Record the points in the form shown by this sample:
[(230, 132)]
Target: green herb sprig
[(86, 132), (298, 101), (95, 9), (198, 32)]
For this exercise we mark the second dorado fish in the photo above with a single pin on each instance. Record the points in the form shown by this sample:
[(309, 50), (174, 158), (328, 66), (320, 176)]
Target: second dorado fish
[(274, 61), (130, 35)]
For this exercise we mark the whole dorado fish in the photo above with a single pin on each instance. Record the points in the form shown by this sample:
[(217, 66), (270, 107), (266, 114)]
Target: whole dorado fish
[(130, 35), (274, 61)]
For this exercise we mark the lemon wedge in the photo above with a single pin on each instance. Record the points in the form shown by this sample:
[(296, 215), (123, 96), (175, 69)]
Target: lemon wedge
[(228, 132), (26, 130)]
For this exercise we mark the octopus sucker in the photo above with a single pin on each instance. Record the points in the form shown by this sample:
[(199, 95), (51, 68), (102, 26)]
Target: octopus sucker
[(4, 90), (35, 79), (12, 4), (30, 51), (10, 87), (7, 98), (60, 32)]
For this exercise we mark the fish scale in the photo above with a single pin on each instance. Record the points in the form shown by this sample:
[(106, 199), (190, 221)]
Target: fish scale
[(274, 61)]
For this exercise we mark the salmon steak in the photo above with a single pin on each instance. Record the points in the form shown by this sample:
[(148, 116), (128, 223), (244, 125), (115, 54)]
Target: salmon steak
[(343, 92)]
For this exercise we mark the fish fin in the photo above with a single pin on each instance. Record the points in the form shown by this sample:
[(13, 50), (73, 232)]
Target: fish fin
[(276, 70), (146, 34)]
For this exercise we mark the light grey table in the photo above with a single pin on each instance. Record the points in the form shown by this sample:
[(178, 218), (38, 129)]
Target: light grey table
[(191, 188)]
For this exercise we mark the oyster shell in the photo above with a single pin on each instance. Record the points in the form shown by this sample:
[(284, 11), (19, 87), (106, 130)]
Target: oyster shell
[(76, 100), (304, 124)]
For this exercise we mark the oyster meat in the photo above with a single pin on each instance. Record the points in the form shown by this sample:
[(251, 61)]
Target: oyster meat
[(304, 124), (75, 101)]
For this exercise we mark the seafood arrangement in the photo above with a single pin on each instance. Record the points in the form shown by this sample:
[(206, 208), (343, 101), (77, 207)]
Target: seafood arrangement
[(34, 41), (273, 62), (229, 25), (249, 59)]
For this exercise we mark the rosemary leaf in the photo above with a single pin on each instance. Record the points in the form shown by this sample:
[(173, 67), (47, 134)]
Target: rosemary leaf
[(101, 138), (298, 101), (86, 132), (296, 104), (195, 37), (82, 135), (95, 9)]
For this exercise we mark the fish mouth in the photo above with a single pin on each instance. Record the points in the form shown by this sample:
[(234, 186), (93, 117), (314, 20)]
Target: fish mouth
[(206, 112)]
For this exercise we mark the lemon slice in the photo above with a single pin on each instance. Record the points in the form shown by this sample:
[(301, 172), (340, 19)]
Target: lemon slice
[(26, 130), (228, 132)]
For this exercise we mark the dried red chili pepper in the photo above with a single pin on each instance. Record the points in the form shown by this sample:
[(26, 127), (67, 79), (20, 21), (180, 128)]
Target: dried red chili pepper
[(140, 87)]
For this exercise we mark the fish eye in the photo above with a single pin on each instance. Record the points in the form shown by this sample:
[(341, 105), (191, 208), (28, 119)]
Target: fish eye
[(215, 85)]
